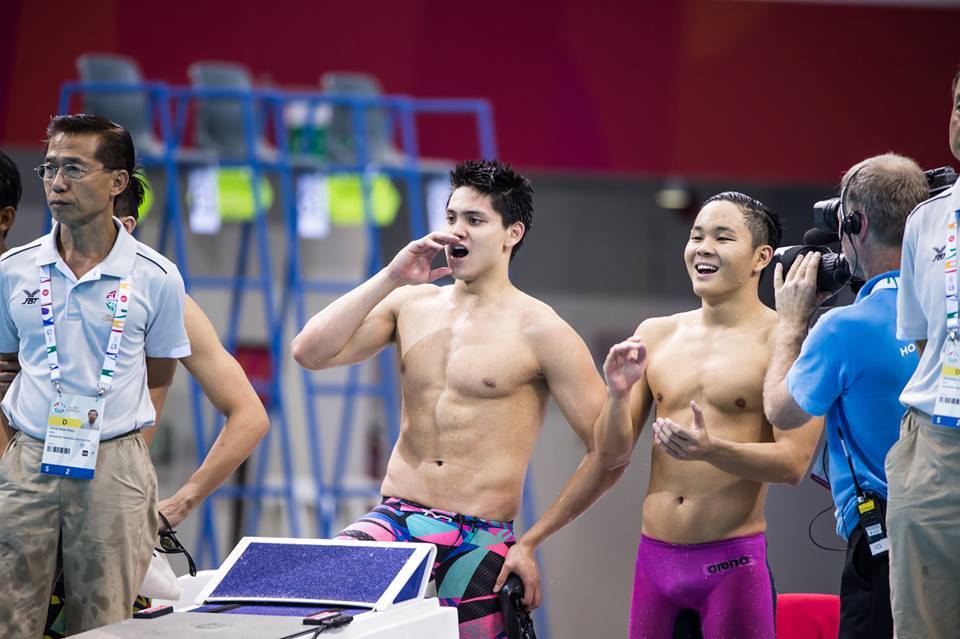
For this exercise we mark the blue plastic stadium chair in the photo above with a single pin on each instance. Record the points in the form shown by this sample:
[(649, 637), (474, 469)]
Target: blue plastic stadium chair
[(220, 121), (129, 109)]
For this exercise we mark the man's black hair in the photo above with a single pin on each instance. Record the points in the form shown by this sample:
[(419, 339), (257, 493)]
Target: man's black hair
[(10, 187), (114, 146), (764, 224), (129, 202), (511, 194)]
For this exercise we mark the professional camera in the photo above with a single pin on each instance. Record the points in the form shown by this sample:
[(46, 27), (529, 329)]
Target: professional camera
[(834, 271)]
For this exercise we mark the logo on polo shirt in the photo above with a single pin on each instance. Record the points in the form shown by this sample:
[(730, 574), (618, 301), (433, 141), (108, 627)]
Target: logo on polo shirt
[(111, 301), (31, 297), (939, 253)]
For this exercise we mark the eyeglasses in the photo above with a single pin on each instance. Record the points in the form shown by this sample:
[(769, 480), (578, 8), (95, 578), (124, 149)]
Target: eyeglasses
[(170, 545), (71, 172)]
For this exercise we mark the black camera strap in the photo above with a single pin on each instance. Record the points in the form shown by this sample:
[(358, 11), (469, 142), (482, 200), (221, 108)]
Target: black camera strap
[(869, 508), (853, 473)]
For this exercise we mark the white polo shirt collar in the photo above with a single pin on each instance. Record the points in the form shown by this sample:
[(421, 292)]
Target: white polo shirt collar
[(118, 262)]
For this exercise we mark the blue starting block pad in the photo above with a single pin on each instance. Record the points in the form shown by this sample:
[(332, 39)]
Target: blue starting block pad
[(355, 574), (267, 586)]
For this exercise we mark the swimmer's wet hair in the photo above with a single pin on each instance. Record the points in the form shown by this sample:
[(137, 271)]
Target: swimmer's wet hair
[(764, 224), (510, 193), (10, 188)]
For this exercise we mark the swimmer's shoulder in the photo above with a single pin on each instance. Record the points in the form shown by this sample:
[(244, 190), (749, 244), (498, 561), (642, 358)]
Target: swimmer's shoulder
[(539, 321), (657, 329), (765, 325), (535, 314), (413, 293)]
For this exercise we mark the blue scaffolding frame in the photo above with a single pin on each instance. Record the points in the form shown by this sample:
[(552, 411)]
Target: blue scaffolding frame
[(239, 285)]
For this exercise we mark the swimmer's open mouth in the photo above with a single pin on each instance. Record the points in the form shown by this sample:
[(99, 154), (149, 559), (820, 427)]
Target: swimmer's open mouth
[(458, 250), (706, 268)]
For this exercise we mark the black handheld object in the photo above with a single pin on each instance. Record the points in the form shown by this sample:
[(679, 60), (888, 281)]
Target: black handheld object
[(327, 619), (516, 619), (833, 272), (871, 508), (830, 221), (154, 612), (827, 214)]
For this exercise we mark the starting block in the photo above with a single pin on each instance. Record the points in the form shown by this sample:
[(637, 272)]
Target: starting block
[(268, 586)]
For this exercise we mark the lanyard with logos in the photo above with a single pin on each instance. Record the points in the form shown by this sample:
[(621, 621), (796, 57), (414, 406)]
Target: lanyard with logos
[(947, 409), (73, 422)]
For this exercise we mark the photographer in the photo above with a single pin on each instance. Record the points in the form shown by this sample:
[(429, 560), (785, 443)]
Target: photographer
[(852, 368)]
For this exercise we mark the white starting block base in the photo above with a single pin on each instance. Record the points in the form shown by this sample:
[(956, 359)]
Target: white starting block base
[(383, 583), (420, 619)]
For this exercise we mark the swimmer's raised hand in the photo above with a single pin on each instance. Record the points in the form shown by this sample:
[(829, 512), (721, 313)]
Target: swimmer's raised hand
[(625, 365), (412, 264)]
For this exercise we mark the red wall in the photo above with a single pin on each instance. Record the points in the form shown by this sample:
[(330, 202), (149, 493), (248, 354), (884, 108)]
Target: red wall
[(771, 91)]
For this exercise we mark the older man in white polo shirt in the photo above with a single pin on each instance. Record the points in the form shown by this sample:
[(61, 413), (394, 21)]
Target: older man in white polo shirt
[(923, 467), (97, 319)]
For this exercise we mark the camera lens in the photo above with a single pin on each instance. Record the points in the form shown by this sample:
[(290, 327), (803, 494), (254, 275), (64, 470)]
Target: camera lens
[(825, 214), (833, 272)]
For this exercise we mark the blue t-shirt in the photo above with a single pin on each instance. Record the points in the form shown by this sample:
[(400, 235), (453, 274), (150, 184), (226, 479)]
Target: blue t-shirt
[(852, 368)]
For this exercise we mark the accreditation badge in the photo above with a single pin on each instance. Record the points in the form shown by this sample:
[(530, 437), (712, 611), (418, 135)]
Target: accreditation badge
[(73, 436), (947, 410)]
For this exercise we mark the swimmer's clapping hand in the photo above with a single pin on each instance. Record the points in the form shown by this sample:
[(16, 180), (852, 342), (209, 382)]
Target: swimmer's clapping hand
[(625, 365)]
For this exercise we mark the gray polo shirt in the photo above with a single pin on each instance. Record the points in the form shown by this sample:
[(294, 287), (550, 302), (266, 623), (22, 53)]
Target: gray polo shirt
[(921, 304), (83, 315)]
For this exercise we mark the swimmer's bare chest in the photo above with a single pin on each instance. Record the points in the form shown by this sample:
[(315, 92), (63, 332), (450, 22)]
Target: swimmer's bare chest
[(693, 501), (721, 370), (473, 404), (468, 376)]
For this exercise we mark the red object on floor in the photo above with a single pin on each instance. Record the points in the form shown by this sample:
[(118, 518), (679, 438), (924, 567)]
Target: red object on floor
[(807, 616), (254, 359)]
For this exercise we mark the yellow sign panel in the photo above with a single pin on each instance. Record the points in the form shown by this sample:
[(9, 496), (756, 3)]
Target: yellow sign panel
[(67, 422), (950, 371)]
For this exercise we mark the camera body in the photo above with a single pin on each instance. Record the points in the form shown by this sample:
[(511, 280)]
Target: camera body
[(832, 274), (835, 272)]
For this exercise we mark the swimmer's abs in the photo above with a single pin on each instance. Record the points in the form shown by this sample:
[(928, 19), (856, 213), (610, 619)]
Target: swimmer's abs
[(490, 493), (690, 518)]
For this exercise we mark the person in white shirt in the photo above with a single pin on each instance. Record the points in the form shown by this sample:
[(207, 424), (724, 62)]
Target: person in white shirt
[(97, 320), (923, 467)]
